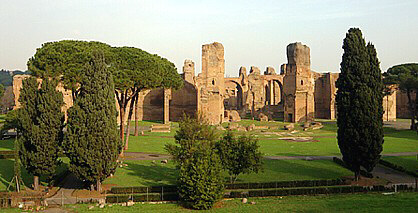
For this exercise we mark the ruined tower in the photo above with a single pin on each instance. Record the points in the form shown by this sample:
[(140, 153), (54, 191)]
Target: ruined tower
[(188, 71), (299, 85), (211, 80)]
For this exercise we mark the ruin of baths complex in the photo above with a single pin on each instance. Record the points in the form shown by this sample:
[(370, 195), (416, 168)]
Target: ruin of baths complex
[(294, 93)]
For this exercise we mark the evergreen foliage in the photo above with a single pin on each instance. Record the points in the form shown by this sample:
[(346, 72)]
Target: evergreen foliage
[(239, 155), (359, 104), (92, 141), (66, 60), (40, 123), (10, 121), (200, 181), (133, 69), (2, 89), (406, 76)]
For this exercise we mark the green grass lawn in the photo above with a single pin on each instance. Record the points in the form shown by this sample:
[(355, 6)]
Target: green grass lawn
[(145, 173), (2, 117), (325, 140), (7, 144), (7, 173), (410, 163), (371, 202)]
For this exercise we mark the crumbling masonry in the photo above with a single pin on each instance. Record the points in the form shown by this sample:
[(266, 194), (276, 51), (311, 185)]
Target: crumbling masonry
[(294, 94)]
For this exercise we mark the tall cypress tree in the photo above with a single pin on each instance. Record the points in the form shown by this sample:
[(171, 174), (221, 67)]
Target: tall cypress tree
[(92, 141), (359, 104), (40, 124)]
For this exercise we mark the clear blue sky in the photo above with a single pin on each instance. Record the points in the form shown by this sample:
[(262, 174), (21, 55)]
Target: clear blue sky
[(254, 33)]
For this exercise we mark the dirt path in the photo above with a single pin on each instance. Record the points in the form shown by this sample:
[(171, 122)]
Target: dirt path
[(395, 177), (307, 157)]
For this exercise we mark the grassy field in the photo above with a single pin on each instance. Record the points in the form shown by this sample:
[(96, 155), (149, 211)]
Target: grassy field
[(325, 142), (400, 202), (146, 173), (7, 144), (7, 173), (410, 163)]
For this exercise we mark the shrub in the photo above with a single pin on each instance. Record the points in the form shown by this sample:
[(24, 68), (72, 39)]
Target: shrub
[(239, 155), (200, 181)]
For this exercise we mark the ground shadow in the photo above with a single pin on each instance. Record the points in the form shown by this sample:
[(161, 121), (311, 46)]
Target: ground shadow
[(152, 175), (298, 170)]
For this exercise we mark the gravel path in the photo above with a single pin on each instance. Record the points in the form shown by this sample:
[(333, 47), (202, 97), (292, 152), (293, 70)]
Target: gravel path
[(307, 157)]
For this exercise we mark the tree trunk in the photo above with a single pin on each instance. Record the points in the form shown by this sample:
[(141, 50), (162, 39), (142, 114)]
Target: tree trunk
[(415, 110), (99, 186), (357, 175), (36, 183), (136, 117), (411, 109), (122, 120), (131, 107)]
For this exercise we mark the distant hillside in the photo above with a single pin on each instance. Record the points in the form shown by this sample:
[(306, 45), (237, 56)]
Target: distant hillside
[(6, 76)]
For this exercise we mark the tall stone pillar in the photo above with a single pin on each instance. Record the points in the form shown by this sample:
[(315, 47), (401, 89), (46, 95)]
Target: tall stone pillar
[(298, 85), (167, 94), (211, 93), (272, 95)]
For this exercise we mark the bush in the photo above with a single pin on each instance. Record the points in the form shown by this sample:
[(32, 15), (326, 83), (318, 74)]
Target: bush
[(200, 181), (239, 155)]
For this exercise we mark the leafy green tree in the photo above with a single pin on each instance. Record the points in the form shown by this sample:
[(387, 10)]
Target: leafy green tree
[(136, 70), (406, 76), (359, 104), (2, 89), (40, 124), (66, 60), (133, 69), (239, 155), (200, 180), (92, 142), (10, 121)]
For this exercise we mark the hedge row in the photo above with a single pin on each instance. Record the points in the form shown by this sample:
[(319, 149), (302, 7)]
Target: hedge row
[(397, 167), (7, 156), (142, 197), (7, 152), (143, 189), (261, 193), (281, 184), (312, 191), (362, 172), (285, 184)]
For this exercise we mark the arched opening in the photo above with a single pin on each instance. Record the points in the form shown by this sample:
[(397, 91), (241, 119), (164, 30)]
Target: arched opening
[(233, 96), (274, 93)]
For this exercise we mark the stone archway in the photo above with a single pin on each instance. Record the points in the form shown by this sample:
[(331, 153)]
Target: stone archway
[(233, 96), (274, 93)]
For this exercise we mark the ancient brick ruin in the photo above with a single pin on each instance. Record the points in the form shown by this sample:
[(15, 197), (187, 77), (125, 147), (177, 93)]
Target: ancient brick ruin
[(293, 94)]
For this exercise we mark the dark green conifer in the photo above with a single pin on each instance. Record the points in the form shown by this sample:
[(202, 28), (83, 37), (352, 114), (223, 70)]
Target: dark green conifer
[(359, 104), (92, 142), (40, 123)]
